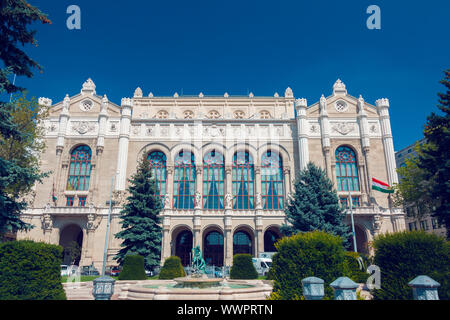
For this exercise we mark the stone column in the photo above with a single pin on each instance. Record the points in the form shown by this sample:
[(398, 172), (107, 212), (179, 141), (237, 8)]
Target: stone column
[(325, 131), (302, 128), (287, 181), (63, 123), (365, 143), (228, 241), (166, 240), (229, 180), (124, 137), (169, 185)]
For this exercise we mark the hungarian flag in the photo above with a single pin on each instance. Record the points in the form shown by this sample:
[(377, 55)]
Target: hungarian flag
[(53, 194), (381, 186)]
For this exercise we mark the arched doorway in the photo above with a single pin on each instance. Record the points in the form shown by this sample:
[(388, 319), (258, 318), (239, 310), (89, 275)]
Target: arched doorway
[(71, 239), (242, 243), (271, 236), (213, 248), (361, 240), (183, 247)]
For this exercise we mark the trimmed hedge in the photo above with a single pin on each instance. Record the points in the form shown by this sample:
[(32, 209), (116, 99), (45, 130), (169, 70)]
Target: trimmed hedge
[(30, 271), (133, 268), (310, 254), (243, 267), (405, 255), (172, 269), (353, 270)]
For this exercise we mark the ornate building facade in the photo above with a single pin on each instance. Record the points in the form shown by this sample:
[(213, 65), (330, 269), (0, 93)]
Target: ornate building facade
[(224, 166)]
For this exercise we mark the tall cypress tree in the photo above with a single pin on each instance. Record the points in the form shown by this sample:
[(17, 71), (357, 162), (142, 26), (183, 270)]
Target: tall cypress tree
[(435, 156), (140, 220), (315, 205)]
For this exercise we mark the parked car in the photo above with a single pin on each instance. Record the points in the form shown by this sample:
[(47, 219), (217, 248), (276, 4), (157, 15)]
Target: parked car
[(64, 270), (213, 272), (89, 271), (149, 273), (113, 271)]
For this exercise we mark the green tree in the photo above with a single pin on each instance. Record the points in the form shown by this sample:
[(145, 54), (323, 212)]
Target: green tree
[(315, 205), (73, 250), (435, 158), (16, 177), (140, 219)]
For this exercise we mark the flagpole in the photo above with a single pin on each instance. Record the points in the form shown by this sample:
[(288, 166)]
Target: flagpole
[(353, 223), (105, 253)]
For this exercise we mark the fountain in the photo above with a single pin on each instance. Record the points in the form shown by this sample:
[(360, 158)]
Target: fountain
[(197, 286)]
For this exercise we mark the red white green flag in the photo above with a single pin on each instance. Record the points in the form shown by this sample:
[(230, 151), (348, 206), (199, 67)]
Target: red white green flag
[(381, 186)]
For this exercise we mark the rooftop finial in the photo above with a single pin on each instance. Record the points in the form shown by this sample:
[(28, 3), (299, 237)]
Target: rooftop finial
[(138, 93), (339, 88), (88, 87), (288, 93)]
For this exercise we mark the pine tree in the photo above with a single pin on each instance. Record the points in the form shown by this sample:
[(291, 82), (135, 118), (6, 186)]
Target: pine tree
[(315, 205), (16, 177), (435, 158), (141, 231)]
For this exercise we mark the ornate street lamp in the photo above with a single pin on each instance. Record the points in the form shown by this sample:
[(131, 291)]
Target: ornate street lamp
[(103, 288)]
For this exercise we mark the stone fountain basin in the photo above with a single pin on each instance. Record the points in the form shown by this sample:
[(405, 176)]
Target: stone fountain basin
[(167, 290)]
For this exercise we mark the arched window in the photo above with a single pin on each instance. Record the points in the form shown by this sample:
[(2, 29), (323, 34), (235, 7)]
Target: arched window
[(158, 161), (184, 181), (80, 169), (242, 243), (183, 247), (213, 181), (346, 170), (272, 181), (243, 181), (213, 249)]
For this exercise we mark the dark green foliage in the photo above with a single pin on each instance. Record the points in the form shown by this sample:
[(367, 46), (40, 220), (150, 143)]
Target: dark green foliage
[(172, 269), (141, 230), (405, 255), (303, 255), (73, 250), (353, 269), (243, 267), (133, 268), (315, 205), (15, 16), (435, 156), (30, 271)]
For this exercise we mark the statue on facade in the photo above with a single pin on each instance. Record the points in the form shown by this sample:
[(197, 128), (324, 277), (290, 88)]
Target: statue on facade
[(197, 200), (258, 201), (166, 201), (198, 264), (228, 201)]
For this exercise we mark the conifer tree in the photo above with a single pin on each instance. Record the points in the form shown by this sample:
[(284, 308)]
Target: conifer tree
[(435, 156), (315, 206), (140, 220)]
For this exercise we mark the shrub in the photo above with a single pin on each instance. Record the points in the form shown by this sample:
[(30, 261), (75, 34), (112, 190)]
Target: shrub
[(30, 271), (303, 255), (133, 268), (405, 255), (353, 270), (243, 267), (172, 269)]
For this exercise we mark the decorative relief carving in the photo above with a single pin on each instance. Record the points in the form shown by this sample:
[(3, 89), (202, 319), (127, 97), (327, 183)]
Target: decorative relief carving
[(198, 200), (136, 130), (314, 128), (119, 198), (114, 126), (52, 127), (377, 223), (344, 128), (373, 128), (93, 221), (83, 127), (149, 131)]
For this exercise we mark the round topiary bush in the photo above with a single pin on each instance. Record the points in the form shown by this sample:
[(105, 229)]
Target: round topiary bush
[(172, 269), (133, 268), (353, 270), (30, 271), (243, 267), (402, 256), (310, 254)]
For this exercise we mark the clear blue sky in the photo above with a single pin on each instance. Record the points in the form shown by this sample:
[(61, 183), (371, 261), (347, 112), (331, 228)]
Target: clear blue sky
[(259, 46)]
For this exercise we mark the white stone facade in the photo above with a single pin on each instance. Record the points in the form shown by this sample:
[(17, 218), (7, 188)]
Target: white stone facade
[(118, 136)]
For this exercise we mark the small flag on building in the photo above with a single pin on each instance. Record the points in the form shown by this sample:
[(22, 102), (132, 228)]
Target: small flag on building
[(381, 186), (53, 194)]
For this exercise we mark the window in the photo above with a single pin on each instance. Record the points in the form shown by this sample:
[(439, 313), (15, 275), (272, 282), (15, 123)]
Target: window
[(242, 243), (82, 201), (69, 201), (434, 223), (158, 161), (213, 115), (162, 114), (346, 170), (424, 225), (239, 114), (355, 202), (272, 181), (264, 115), (80, 169), (411, 226), (213, 181), (184, 181), (243, 176), (188, 115)]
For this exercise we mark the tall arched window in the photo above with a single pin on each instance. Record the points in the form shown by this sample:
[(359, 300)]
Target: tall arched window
[(184, 181), (213, 181), (243, 181), (80, 169), (346, 170), (272, 181), (158, 161), (242, 243)]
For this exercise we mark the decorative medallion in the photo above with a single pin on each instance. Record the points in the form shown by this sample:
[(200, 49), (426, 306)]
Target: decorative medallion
[(344, 127), (83, 127), (341, 106), (86, 105)]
